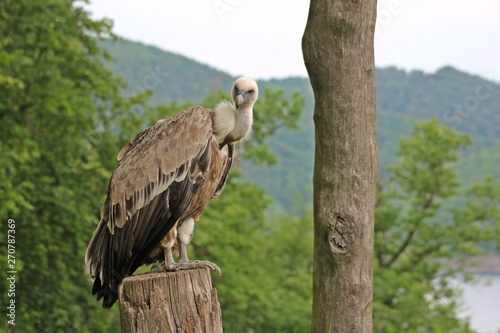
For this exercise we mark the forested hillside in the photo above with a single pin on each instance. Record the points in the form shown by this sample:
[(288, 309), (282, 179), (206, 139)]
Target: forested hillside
[(464, 102), (172, 77)]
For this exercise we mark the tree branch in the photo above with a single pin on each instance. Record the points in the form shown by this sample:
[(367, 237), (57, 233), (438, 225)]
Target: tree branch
[(411, 233)]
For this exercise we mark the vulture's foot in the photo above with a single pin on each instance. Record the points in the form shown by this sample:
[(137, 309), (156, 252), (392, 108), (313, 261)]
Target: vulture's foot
[(192, 264), (165, 267), (182, 265)]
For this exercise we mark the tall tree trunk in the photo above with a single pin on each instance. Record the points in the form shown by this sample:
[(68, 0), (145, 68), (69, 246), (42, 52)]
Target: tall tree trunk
[(338, 53)]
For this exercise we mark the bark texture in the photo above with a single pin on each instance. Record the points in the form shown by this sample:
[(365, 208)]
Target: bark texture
[(175, 302), (339, 56)]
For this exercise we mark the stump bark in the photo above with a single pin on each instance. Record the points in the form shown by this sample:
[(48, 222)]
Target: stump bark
[(175, 302)]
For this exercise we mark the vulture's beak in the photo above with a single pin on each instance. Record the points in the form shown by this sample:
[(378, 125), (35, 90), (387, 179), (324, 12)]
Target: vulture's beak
[(241, 98)]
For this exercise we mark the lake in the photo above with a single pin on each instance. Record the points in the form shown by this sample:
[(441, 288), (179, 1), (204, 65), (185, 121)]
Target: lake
[(482, 303)]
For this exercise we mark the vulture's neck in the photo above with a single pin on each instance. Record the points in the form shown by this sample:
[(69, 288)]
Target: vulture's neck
[(231, 124)]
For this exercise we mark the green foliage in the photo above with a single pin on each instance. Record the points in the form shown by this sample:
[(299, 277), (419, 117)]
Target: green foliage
[(272, 113), (461, 101), (416, 250), (58, 100), (475, 166), (480, 218), (266, 265), (63, 118)]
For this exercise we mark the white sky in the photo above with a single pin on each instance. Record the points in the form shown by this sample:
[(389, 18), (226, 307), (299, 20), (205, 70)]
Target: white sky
[(262, 38)]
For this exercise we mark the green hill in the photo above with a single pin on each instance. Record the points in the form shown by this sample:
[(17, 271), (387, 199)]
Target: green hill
[(465, 102), (170, 76)]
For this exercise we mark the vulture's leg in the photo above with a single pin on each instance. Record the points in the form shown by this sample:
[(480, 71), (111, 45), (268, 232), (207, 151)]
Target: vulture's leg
[(168, 243), (184, 235), (169, 259)]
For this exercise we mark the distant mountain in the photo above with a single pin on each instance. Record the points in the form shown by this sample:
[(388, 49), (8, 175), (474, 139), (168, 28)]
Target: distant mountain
[(170, 76), (468, 103)]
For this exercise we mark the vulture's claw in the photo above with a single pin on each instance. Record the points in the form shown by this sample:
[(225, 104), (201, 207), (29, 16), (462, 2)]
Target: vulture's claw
[(192, 264)]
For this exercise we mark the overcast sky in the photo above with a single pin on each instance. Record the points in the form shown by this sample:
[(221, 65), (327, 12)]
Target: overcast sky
[(261, 38)]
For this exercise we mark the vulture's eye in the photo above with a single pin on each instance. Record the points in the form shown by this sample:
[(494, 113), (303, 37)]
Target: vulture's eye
[(250, 91)]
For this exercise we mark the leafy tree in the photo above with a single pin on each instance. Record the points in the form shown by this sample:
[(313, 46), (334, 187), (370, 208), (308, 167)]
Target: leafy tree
[(57, 108), (481, 214), (417, 245), (63, 118), (266, 265)]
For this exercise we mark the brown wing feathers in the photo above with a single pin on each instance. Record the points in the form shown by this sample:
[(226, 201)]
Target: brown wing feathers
[(159, 172), (152, 162)]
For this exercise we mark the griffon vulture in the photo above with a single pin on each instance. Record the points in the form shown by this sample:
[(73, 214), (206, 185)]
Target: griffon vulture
[(166, 176)]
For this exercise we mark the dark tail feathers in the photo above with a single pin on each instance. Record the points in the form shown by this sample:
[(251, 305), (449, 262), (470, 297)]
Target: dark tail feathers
[(108, 291)]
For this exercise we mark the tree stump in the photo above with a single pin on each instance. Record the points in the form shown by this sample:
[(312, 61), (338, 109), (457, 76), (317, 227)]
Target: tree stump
[(182, 301)]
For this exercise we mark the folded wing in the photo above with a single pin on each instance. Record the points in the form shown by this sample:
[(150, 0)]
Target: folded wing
[(159, 172)]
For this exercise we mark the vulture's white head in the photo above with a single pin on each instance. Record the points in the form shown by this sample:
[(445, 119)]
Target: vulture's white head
[(233, 121), (245, 92)]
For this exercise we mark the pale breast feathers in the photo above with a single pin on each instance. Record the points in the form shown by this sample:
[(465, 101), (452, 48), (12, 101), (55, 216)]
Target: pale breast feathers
[(151, 161)]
